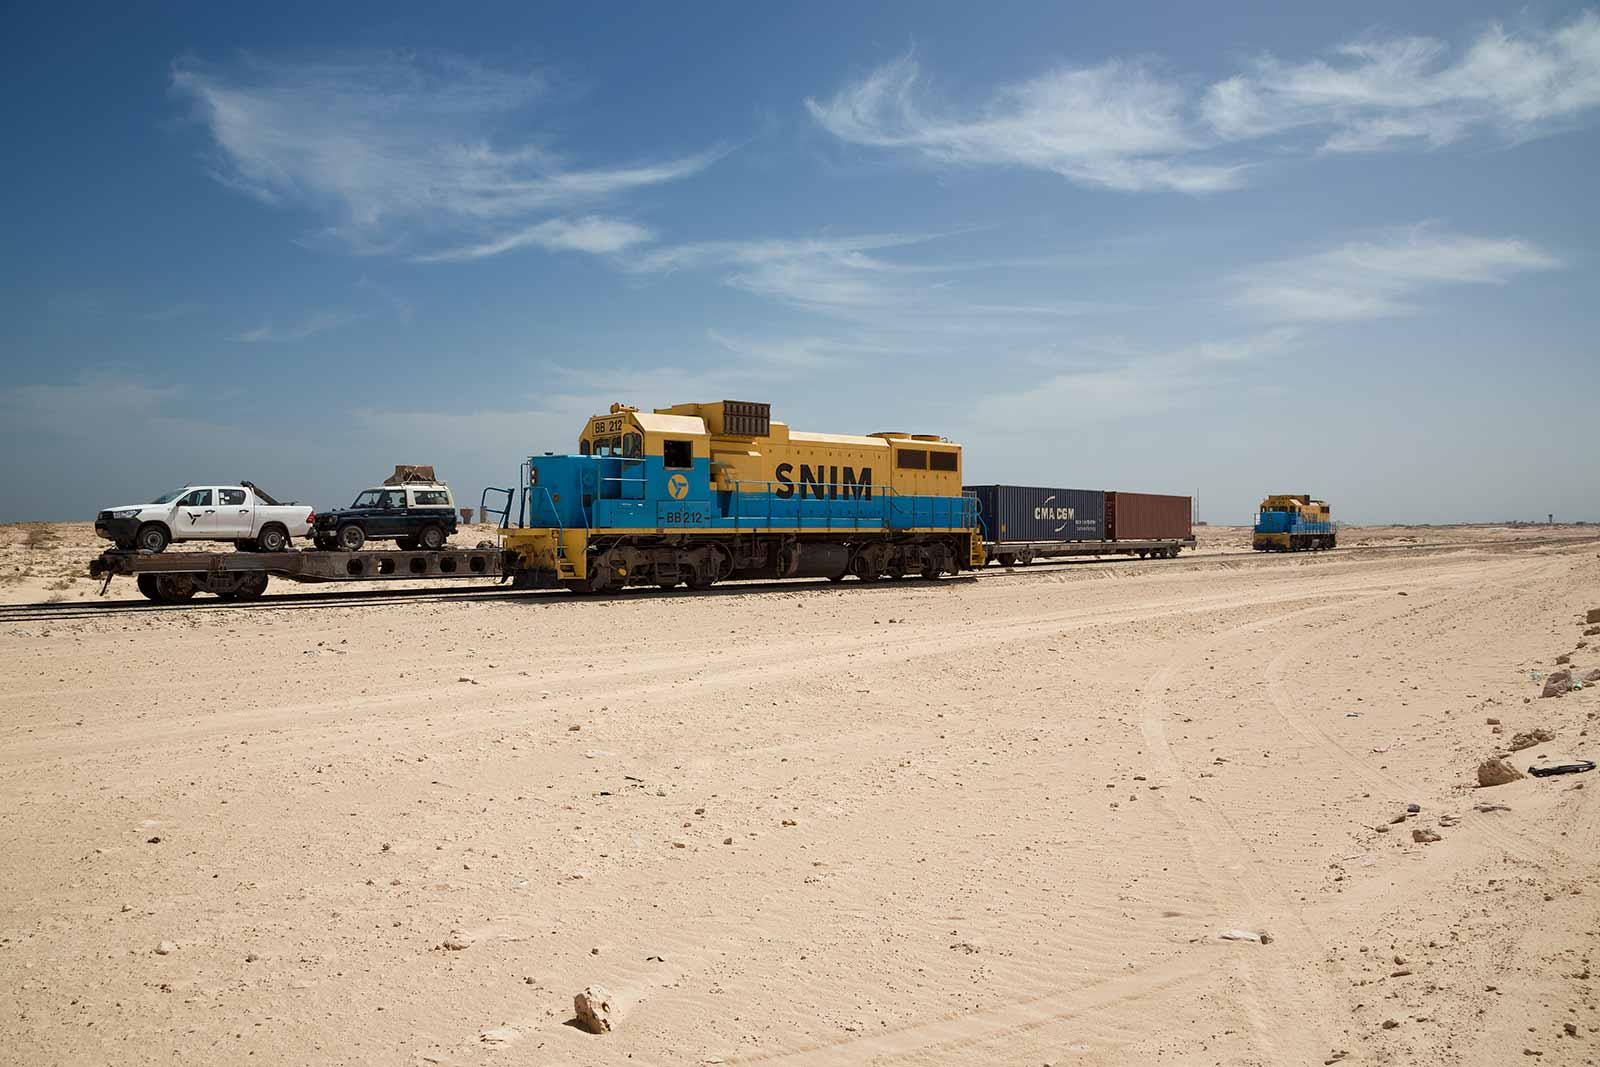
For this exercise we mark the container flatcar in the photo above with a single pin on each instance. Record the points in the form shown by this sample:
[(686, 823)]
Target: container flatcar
[(1022, 523)]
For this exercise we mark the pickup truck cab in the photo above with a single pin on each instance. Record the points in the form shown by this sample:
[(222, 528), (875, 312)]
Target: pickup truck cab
[(243, 514), (415, 515)]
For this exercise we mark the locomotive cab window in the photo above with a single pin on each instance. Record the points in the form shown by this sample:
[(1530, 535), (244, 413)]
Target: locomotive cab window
[(677, 455), (912, 459), (632, 446), (583, 447), (941, 461)]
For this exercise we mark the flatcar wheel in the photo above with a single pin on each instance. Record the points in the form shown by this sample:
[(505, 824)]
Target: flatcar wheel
[(147, 587), (1006, 559), (931, 571), (172, 588)]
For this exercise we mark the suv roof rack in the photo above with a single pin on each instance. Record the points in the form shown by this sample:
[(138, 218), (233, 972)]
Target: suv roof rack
[(407, 473)]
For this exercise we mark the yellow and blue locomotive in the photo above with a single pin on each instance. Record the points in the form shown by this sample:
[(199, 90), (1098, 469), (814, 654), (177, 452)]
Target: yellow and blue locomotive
[(700, 493), (1292, 523)]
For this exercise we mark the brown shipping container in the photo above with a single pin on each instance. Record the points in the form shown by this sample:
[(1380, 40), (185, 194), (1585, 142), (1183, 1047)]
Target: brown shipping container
[(1147, 516)]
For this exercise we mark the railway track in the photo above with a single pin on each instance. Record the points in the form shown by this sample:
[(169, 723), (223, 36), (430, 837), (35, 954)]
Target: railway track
[(462, 592)]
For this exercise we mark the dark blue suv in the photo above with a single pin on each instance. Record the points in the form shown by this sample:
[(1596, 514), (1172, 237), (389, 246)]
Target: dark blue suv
[(415, 516)]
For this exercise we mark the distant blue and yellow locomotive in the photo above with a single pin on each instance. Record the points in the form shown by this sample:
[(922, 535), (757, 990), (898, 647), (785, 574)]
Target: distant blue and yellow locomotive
[(699, 493), (1290, 523)]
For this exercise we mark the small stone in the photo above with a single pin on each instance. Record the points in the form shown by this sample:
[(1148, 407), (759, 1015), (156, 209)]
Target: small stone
[(1565, 657), (166, 948), (1390, 1024), (1593, 615), (790, 822), (1496, 771), (1413, 808), (251, 957), (727, 840), (593, 1007), (469, 679), (458, 940), (574, 728), (153, 840), (127, 907), (1570, 1029), (1494, 722), (1425, 836), (680, 844)]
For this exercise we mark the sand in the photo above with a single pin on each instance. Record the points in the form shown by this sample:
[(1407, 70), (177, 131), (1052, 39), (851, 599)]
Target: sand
[(993, 820)]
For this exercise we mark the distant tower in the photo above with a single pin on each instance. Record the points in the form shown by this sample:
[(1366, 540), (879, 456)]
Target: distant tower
[(1550, 520)]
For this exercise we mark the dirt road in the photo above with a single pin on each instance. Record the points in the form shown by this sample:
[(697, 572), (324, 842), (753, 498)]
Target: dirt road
[(973, 821)]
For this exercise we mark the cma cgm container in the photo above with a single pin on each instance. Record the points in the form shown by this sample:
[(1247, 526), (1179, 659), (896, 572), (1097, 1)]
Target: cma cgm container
[(1031, 513), (1147, 516)]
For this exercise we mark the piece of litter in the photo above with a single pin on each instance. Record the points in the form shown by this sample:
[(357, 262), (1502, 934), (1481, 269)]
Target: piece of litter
[(1245, 935), (1352, 715)]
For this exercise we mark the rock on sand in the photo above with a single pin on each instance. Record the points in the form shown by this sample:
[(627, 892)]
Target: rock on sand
[(1537, 735), (1496, 771), (593, 1006), (1557, 683)]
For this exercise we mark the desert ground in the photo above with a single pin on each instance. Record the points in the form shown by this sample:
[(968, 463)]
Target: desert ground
[(998, 819)]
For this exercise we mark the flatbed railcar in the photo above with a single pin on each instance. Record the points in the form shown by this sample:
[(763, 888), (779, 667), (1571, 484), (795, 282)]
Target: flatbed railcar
[(173, 577)]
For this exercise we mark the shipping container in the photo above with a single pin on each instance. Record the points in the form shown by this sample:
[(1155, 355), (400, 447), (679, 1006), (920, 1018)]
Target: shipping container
[(1031, 513), (1147, 516)]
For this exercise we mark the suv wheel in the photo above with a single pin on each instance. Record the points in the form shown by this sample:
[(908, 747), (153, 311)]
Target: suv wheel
[(431, 538), (352, 537)]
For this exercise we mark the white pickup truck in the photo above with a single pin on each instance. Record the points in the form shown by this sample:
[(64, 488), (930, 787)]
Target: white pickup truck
[(243, 514)]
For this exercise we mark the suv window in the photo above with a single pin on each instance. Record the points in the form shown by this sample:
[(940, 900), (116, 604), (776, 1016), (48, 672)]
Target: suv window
[(231, 496), (429, 498), (200, 498), (677, 455), (394, 498)]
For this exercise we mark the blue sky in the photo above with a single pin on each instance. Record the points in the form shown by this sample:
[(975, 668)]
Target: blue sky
[(1152, 247)]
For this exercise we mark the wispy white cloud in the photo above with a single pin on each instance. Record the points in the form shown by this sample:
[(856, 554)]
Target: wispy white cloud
[(1380, 94), (321, 322), (595, 234), (388, 145), (1118, 125), (1128, 125), (1098, 385), (1383, 276)]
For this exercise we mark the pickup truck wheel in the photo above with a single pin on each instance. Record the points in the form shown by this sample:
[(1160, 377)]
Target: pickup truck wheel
[(152, 537), (432, 538), (273, 539), (351, 538)]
